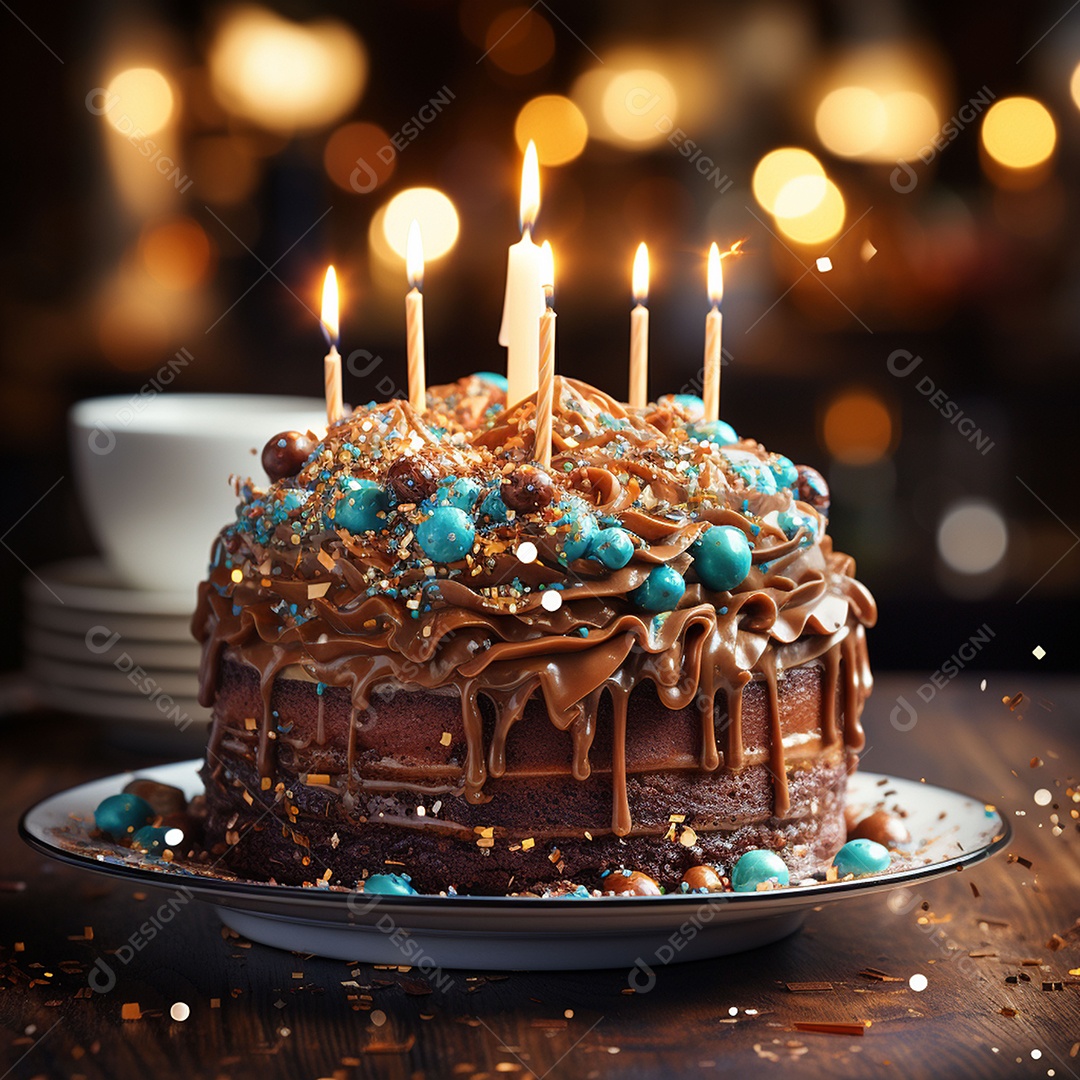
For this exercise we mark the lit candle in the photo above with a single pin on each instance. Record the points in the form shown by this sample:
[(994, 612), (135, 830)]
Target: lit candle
[(414, 318), (713, 329), (332, 363), (545, 392), (524, 303), (639, 330)]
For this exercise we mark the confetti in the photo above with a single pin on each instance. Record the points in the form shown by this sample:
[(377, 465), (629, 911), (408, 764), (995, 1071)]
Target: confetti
[(868, 251), (1043, 797), (130, 1011), (1038, 652), (527, 552), (824, 264), (918, 983), (180, 1011), (551, 600)]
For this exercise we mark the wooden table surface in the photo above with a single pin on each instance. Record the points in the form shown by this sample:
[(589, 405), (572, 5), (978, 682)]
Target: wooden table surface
[(256, 1012)]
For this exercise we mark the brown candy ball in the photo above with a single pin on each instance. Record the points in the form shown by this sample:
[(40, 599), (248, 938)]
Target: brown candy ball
[(163, 798), (881, 827), (703, 877), (284, 455), (412, 479), (527, 490), (633, 884), (812, 488)]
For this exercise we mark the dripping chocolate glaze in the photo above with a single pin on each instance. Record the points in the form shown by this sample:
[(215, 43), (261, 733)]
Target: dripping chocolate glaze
[(800, 603)]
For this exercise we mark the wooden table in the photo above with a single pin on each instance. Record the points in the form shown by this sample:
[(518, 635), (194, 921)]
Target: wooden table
[(260, 1013)]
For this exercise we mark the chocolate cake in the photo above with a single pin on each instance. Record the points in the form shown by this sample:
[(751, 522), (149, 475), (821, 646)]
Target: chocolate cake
[(428, 656)]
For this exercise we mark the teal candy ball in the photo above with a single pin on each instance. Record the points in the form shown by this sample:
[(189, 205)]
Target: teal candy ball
[(446, 535), (574, 542), (120, 815), (721, 557), (791, 521), (757, 867), (359, 510), (661, 590), (150, 840), (492, 507), (785, 472), (861, 857), (691, 403), (613, 547), (389, 885), (459, 491), (714, 431), (492, 378), (754, 472)]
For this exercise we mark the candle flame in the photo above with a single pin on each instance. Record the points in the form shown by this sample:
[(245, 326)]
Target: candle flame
[(414, 256), (530, 188), (715, 277), (640, 277), (547, 271), (329, 317)]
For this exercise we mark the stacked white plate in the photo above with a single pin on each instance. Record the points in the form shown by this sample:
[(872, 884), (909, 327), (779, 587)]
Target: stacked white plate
[(124, 656)]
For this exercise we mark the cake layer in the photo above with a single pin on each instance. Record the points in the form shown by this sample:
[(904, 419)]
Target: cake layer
[(396, 800)]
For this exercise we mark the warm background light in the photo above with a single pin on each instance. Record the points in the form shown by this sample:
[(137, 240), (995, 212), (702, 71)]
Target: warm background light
[(352, 158), (138, 98), (556, 125), (435, 213), (176, 253), (286, 76), (779, 168), (857, 428), (972, 537), (820, 224), (1019, 133), (519, 40), (634, 103)]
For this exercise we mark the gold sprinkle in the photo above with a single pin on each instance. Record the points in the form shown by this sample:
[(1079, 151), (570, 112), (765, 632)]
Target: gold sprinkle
[(265, 783), (315, 778), (130, 1010), (314, 592), (249, 723), (237, 575), (677, 818), (555, 856), (485, 841), (446, 739), (688, 837), (528, 845)]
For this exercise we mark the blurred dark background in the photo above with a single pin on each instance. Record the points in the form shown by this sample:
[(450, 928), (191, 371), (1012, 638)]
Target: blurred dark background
[(159, 157)]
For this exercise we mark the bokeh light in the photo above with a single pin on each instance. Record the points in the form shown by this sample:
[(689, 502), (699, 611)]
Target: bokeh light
[(285, 76), (176, 253), (857, 428), (138, 99), (556, 125), (779, 168), (519, 40), (359, 157), (972, 537), (635, 105), (1019, 133), (860, 122), (435, 213), (818, 225), (1074, 86)]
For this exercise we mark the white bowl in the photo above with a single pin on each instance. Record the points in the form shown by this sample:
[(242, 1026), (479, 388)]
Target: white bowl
[(153, 473)]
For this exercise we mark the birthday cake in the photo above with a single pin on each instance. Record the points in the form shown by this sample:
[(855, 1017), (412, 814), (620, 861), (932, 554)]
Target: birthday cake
[(431, 659)]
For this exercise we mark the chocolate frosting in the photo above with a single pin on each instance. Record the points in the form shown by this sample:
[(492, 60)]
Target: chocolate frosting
[(367, 611)]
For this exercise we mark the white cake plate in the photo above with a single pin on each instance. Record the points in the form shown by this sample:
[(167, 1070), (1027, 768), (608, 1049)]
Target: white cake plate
[(949, 831)]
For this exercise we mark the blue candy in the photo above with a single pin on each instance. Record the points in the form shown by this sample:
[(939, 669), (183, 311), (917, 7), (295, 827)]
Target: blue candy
[(492, 506), (661, 590), (691, 403), (389, 885), (294, 499), (120, 815), (861, 857), (493, 378), (150, 839), (753, 470), (459, 491), (714, 431), (574, 542), (446, 535), (791, 521), (359, 510), (613, 547), (721, 557), (784, 470), (757, 867)]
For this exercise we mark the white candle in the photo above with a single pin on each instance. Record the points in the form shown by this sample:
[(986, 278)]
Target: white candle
[(545, 392), (335, 410), (524, 302), (714, 322), (639, 331), (414, 318)]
